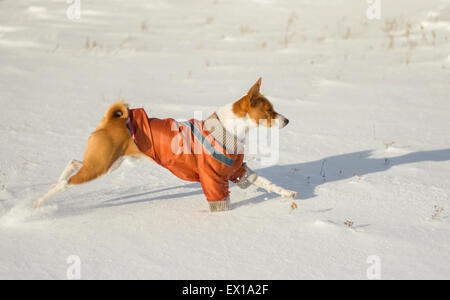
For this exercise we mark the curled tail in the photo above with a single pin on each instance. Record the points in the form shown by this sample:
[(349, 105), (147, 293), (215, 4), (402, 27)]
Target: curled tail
[(118, 110)]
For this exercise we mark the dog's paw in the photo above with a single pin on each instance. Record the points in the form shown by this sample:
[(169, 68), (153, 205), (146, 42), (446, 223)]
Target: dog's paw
[(37, 204), (289, 194)]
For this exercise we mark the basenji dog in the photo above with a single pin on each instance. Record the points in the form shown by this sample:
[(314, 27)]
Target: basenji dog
[(208, 151)]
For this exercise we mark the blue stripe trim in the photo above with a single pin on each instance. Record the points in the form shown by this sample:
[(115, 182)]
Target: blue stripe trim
[(208, 146)]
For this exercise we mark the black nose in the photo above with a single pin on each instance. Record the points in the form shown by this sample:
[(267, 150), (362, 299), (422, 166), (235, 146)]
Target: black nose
[(286, 121)]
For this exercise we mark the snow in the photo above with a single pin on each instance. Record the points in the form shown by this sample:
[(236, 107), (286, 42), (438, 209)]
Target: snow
[(368, 139)]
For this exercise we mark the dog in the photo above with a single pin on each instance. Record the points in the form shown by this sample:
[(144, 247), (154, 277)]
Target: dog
[(208, 151)]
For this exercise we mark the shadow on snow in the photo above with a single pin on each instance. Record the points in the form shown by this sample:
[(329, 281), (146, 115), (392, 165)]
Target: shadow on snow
[(305, 177)]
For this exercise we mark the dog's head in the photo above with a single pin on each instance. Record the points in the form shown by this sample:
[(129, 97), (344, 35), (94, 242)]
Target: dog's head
[(258, 109)]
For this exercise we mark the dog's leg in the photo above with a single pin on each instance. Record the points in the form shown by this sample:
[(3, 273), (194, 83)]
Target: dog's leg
[(84, 173), (273, 188), (72, 167), (116, 164), (100, 155), (53, 191), (251, 177), (61, 185)]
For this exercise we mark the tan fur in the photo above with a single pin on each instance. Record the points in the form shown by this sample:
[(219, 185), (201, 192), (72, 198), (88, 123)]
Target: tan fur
[(262, 109), (255, 105), (112, 109), (106, 144)]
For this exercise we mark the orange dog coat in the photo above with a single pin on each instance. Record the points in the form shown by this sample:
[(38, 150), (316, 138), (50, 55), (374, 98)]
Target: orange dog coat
[(189, 151)]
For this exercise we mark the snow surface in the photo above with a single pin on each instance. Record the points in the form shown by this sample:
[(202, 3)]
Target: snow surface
[(368, 140)]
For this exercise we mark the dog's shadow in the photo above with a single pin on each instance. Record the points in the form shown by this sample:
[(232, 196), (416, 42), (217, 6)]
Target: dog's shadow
[(303, 178), (118, 201)]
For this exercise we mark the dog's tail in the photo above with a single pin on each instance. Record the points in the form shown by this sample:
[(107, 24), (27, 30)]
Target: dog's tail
[(117, 110)]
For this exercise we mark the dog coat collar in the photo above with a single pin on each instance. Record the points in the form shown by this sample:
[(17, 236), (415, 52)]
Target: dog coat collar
[(129, 125), (227, 140), (130, 128)]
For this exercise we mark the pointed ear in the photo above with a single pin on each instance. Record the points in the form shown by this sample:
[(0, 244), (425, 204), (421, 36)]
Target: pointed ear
[(254, 90)]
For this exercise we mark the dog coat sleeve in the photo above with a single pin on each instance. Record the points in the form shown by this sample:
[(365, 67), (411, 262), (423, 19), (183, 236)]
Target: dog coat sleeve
[(216, 192), (244, 177), (214, 187)]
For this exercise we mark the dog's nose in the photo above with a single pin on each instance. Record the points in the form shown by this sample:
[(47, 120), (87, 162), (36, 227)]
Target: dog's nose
[(286, 121)]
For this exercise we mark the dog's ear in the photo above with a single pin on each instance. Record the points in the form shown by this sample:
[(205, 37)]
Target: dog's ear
[(254, 90)]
